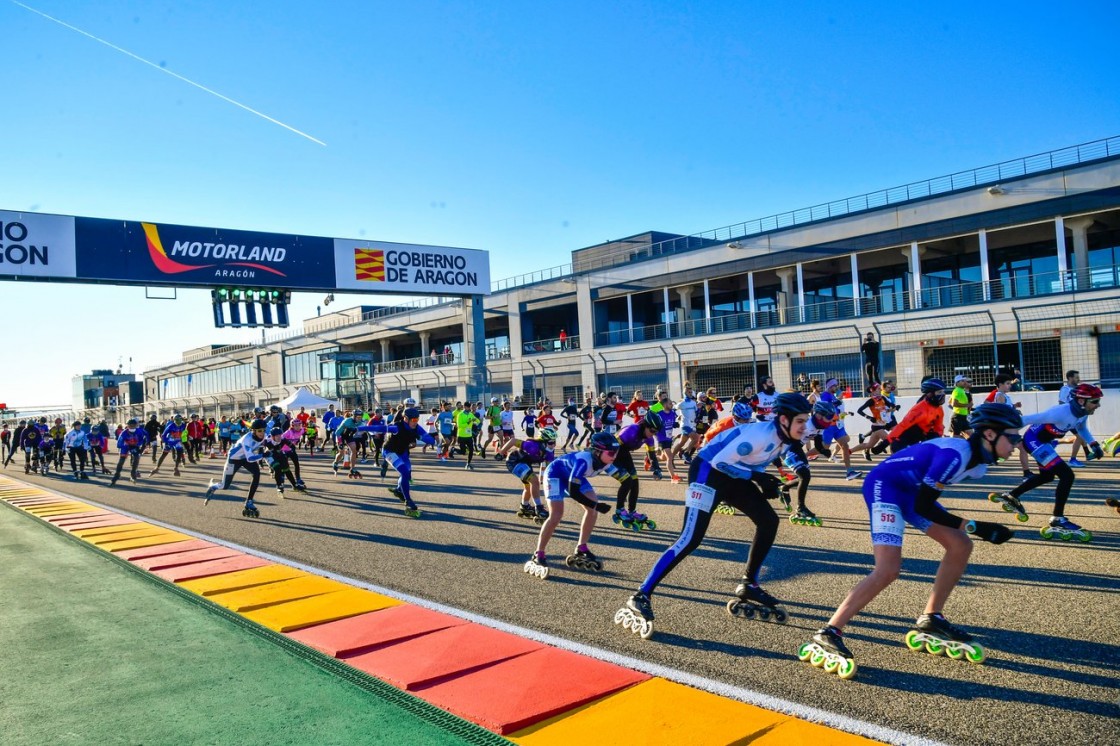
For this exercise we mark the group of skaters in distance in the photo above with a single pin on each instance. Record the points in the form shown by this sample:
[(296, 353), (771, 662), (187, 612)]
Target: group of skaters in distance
[(739, 456)]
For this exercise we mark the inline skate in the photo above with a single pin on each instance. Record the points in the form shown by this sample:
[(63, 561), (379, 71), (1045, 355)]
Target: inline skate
[(625, 519), (280, 492), (1009, 503), (724, 509), (827, 650), (542, 514), (209, 491), (936, 635), (300, 486), (537, 566), (784, 499), (354, 474), (397, 493), (636, 615), (642, 522), (411, 510), (1113, 503), (751, 599), (804, 517), (1063, 528), (250, 509), (82, 475), (583, 559)]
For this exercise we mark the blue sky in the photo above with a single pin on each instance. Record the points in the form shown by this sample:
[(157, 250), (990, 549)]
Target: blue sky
[(526, 130)]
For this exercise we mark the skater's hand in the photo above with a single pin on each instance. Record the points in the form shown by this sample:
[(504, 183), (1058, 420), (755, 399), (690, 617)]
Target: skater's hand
[(996, 533), (1097, 451), (602, 507)]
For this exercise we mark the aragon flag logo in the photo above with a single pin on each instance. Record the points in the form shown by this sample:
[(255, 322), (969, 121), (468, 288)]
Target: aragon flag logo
[(369, 264)]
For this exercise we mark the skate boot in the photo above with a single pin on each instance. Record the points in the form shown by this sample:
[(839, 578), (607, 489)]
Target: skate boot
[(827, 650), (354, 474), (250, 509), (934, 633), (1009, 503), (537, 566), (334, 468), (76, 477), (396, 492), (300, 486), (153, 472), (657, 474), (804, 517), (642, 522), (176, 473), (783, 497), (853, 474), (542, 515), (725, 509), (751, 599), (1063, 528), (636, 615), (583, 559), (133, 477), (411, 510), (209, 491), (104, 471), (624, 518), (82, 475), (526, 511), (1113, 503), (280, 492)]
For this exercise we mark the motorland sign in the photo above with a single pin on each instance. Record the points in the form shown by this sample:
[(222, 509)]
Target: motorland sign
[(410, 268), (34, 245)]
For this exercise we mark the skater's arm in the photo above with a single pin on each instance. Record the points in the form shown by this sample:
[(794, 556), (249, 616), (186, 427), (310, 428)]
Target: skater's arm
[(925, 505)]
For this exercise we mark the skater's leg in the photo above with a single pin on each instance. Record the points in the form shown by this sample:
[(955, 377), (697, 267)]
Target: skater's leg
[(958, 548), (1065, 484), (696, 520), (555, 514), (804, 476), (757, 508), (293, 461), (888, 560), (254, 469), (587, 525)]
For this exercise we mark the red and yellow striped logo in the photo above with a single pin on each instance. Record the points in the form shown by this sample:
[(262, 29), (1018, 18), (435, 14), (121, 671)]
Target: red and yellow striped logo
[(369, 264)]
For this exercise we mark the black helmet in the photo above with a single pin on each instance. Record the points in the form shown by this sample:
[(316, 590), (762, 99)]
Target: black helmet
[(996, 417), (258, 425), (276, 431), (604, 442), (653, 421), (258, 410), (275, 408), (132, 423), (791, 405), (412, 414), (932, 386)]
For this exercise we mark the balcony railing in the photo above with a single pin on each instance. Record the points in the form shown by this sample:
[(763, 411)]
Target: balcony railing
[(539, 346), (943, 296)]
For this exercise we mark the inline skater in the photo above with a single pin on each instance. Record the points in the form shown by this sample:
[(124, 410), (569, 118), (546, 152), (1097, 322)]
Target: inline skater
[(153, 429), (5, 443), (1001, 394), (570, 415), (29, 443), (130, 444), (15, 443), (506, 433), (1044, 431), (58, 437), (960, 402), (925, 420), (312, 435), (631, 438), (96, 450), (277, 450), (493, 418), (587, 417), (688, 438), (823, 417), (522, 457), (76, 444), (172, 444), (445, 421), (293, 436), (665, 409), (570, 476), (904, 489), (1073, 380), (196, 437), (762, 403), (731, 468), (245, 454), (875, 410), (401, 438), (225, 435), (836, 432), (346, 437)]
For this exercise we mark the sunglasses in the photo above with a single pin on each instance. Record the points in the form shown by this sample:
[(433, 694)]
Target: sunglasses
[(1013, 438), (1092, 401)]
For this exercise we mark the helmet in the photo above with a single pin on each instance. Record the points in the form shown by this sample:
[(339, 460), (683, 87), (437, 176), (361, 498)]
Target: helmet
[(410, 402), (653, 421), (493, 400), (258, 410), (604, 442), (1087, 391), (357, 413), (23, 422), (741, 410), (194, 415), (412, 413), (132, 422), (276, 431), (258, 425), (791, 404), (996, 417), (548, 435), (177, 416), (826, 410), (932, 386), (275, 408)]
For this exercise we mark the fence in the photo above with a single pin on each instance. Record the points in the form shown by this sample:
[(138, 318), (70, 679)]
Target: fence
[(1057, 336), (943, 346), (726, 368), (816, 354)]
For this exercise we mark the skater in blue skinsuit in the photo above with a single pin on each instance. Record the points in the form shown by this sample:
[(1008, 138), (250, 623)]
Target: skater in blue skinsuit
[(402, 437)]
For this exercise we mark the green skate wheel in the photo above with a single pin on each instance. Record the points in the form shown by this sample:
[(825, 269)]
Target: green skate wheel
[(1008, 507), (805, 651), (976, 656), (634, 527), (1046, 532), (934, 647), (847, 669), (912, 640), (994, 497), (954, 653), (651, 525), (1065, 536), (616, 519), (1023, 517), (831, 665), (1084, 537), (816, 659)]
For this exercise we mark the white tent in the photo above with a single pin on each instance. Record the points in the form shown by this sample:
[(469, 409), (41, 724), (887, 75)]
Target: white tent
[(304, 398)]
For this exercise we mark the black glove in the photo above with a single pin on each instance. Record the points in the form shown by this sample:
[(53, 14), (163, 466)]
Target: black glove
[(499, 457), (1097, 451), (996, 533), (602, 507)]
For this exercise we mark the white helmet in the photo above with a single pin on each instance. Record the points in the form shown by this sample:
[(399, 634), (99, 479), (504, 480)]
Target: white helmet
[(410, 402), (493, 400)]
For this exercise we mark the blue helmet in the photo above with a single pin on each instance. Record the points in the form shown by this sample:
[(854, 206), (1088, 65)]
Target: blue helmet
[(412, 414), (741, 410), (996, 417), (826, 410), (932, 386)]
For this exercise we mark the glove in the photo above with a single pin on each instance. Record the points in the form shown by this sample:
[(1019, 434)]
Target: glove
[(499, 457), (602, 507), (1098, 452), (995, 533)]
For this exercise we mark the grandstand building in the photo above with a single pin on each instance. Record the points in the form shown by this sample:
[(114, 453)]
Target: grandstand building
[(1013, 267)]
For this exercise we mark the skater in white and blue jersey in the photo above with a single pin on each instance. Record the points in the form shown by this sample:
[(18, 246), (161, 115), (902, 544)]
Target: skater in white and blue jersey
[(904, 489), (732, 469), (246, 454)]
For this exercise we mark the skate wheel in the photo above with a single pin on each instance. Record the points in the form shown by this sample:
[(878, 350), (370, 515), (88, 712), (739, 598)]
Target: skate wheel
[(847, 669), (635, 527), (1046, 532), (650, 525), (780, 616), (816, 658), (976, 655), (646, 631), (934, 648), (733, 607), (1085, 537), (619, 616), (616, 519), (954, 653), (994, 497), (805, 651), (1022, 517), (570, 561), (912, 640), (764, 614), (1008, 507), (1064, 536), (831, 664)]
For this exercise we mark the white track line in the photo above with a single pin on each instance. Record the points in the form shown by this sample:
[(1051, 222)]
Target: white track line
[(749, 696)]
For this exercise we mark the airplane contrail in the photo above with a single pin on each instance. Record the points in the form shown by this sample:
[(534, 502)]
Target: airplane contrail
[(172, 74)]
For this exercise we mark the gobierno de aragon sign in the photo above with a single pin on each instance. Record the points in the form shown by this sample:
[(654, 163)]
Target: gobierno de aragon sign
[(77, 249)]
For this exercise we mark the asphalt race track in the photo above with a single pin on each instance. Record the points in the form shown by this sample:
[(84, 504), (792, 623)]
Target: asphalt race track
[(1048, 612)]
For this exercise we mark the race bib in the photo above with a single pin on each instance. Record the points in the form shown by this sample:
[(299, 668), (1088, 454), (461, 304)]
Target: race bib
[(886, 518), (552, 489), (1046, 456), (700, 496)]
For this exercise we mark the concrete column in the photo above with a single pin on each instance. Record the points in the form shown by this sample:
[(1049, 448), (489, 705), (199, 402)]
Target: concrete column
[(685, 295), (516, 341), (474, 344), (800, 294), (1080, 229), (750, 298), (914, 254), (984, 267), (856, 299), (1060, 240), (785, 275), (630, 316), (425, 344), (585, 312), (707, 308), (386, 350), (668, 322)]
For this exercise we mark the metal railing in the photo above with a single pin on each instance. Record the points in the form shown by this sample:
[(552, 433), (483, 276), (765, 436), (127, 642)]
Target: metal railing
[(555, 344), (943, 296), (985, 175)]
